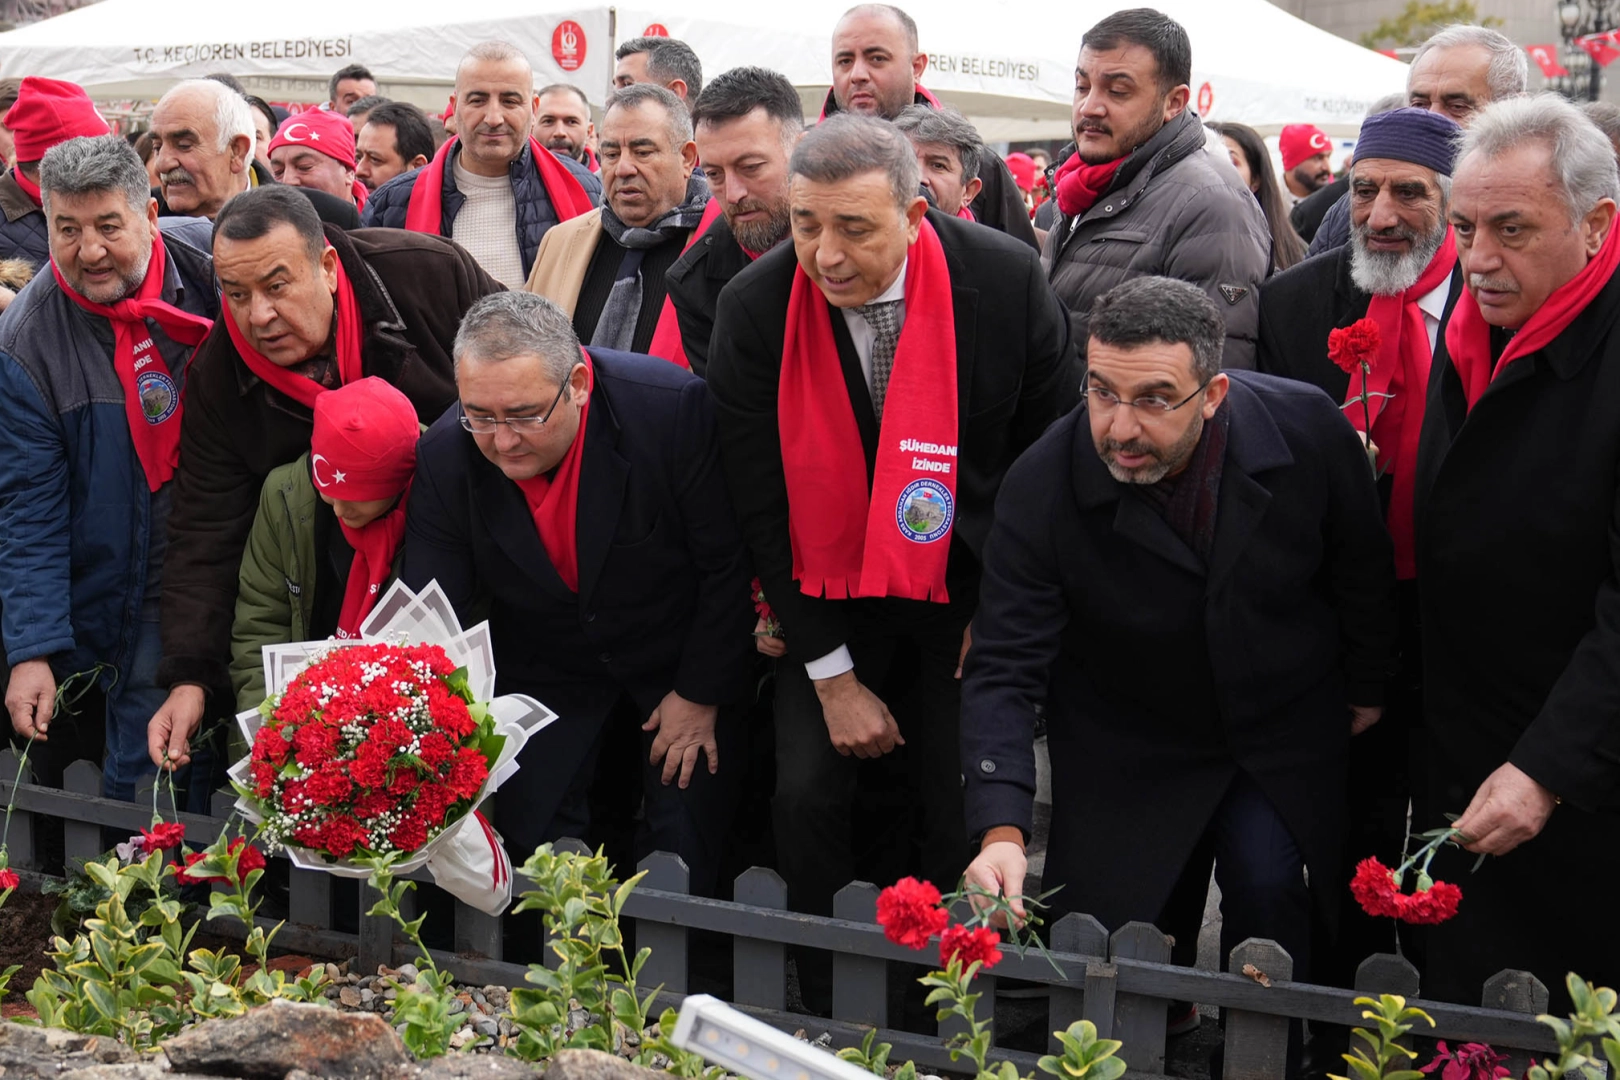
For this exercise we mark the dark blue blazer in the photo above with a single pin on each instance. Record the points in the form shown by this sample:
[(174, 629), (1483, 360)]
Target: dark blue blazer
[(663, 601)]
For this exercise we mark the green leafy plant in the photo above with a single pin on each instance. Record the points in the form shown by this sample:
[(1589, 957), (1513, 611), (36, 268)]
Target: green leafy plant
[(1084, 1057), (952, 991), (423, 1007), (873, 1056), (1594, 1017), (1389, 1060)]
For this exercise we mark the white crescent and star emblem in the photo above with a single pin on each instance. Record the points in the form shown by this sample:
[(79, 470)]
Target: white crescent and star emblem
[(315, 464), (291, 134), (1319, 141)]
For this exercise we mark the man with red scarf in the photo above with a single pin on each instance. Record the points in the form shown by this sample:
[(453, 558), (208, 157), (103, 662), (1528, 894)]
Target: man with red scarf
[(94, 355), (875, 381), (576, 497), (307, 574), (493, 188), (877, 69), (307, 308), (1137, 194), (1517, 555), (47, 112), (1400, 273)]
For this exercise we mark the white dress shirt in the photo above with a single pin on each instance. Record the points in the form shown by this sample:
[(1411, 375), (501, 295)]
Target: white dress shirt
[(1433, 306)]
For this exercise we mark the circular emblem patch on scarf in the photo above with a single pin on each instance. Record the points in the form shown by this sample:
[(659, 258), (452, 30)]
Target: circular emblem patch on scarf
[(924, 511), (158, 396)]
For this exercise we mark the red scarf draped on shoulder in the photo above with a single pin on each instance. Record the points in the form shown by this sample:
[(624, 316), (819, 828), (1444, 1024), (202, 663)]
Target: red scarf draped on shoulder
[(302, 390), (554, 501), (1398, 387), (1468, 335), (29, 188), (152, 400), (666, 339), (1079, 185), (895, 540), (425, 214)]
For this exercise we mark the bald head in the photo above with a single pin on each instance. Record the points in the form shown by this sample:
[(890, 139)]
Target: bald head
[(875, 61), (495, 106)]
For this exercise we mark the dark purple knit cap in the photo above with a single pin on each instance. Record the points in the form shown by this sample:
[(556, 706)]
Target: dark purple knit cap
[(1416, 135)]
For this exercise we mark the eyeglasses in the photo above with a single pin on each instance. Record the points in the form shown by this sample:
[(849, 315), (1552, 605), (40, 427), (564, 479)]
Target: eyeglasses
[(488, 425), (1152, 405)]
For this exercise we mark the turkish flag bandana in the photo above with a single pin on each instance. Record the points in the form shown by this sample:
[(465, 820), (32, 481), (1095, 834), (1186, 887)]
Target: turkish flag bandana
[(554, 500), (152, 401), (300, 389), (1397, 387), (425, 214), (895, 540), (1468, 335)]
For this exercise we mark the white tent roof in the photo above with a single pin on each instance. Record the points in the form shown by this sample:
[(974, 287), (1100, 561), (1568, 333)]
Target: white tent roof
[(1006, 63)]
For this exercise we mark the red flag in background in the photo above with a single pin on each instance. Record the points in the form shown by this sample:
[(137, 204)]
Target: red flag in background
[(1546, 58), (1603, 47)]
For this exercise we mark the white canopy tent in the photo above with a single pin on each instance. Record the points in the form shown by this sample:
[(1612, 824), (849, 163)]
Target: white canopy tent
[(1008, 64)]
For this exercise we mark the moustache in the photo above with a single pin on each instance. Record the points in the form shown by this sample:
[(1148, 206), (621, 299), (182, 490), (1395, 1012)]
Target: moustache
[(1093, 125), (1485, 283), (1133, 448), (176, 176)]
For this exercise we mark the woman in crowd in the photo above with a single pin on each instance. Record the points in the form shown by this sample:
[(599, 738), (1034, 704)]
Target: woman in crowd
[(1253, 164)]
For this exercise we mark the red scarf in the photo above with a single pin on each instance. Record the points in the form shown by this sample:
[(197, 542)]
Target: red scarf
[(374, 549), (1397, 387), (554, 501), (360, 193), (152, 400), (666, 339), (29, 188), (894, 541), (965, 214), (425, 214), (1468, 335), (1079, 185), (296, 386)]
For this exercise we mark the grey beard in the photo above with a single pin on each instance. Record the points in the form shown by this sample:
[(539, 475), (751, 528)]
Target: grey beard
[(1387, 275)]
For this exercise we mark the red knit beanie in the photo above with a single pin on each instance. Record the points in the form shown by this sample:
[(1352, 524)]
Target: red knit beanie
[(48, 112), (364, 443)]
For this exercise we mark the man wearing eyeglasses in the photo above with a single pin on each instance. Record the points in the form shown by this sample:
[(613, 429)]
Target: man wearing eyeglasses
[(1193, 574), (576, 500)]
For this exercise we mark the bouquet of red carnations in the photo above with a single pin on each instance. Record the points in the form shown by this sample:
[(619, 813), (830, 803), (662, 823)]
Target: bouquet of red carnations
[(375, 746)]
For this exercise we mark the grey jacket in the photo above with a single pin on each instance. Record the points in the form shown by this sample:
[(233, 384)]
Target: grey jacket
[(1169, 212)]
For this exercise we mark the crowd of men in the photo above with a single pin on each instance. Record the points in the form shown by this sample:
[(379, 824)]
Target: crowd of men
[(1269, 609)]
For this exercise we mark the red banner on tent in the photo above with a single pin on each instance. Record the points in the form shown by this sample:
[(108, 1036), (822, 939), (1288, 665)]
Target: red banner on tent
[(1603, 48), (1546, 58)]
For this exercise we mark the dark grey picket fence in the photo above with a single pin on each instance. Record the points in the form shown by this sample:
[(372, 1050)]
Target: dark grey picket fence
[(1121, 981)]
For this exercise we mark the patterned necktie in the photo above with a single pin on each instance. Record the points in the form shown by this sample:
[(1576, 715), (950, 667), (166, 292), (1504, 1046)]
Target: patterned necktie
[(884, 319)]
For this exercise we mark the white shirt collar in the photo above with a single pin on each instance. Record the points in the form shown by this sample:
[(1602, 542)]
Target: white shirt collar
[(1433, 303), (897, 291)]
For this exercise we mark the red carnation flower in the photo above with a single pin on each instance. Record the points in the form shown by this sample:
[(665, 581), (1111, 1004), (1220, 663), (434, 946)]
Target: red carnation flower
[(910, 914), (251, 859), (9, 878), (1470, 1061), (162, 836), (1375, 890), (1431, 906), (982, 944), (1355, 346)]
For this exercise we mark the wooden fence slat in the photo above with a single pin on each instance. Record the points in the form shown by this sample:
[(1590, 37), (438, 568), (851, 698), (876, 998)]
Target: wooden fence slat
[(759, 968), (860, 990), (1138, 1020), (1521, 992), (1386, 973), (376, 933), (80, 841), (20, 840), (1085, 936), (309, 900), (667, 965), (477, 934), (1257, 1043)]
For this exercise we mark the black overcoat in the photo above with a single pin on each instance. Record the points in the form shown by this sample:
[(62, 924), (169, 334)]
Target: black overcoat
[(1162, 680)]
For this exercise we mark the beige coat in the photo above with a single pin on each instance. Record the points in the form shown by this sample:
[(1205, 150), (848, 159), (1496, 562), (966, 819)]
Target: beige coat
[(564, 257)]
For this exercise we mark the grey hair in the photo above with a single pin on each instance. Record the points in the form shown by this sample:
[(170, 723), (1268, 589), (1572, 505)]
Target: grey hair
[(1509, 71), (638, 94), (848, 144), (509, 324), (1149, 309), (233, 116), (1582, 158), (944, 127), (95, 165), (1606, 116), (1388, 103)]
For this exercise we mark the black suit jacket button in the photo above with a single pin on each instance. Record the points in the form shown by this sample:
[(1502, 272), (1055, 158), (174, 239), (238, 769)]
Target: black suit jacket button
[(606, 657), (987, 766)]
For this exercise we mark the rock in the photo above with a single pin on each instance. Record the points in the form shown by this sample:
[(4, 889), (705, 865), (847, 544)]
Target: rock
[(390, 994), (408, 973), (484, 1025), (333, 973), (350, 997), (468, 1067), (28, 1052), (274, 1039), (595, 1065), (368, 981), (146, 1071), (366, 996)]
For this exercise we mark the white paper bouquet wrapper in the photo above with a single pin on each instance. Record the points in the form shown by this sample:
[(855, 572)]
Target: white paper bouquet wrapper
[(466, 858)]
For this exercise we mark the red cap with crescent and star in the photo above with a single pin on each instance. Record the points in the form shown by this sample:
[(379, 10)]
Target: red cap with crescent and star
[(364, 444), (321, 130)]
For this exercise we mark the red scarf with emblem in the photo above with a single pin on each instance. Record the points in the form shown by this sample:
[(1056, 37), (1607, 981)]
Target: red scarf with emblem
[(1468, 335), (425, 214), (152, 402), (554, 501), (895, 539), (1397, 387), (301, 389)]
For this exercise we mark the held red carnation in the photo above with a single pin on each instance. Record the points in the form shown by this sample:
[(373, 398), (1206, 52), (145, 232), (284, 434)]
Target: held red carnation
[(162, 836), (1375, 890), (1431, 906), (9, 878), (910, 914), (1355, 346), (980, 944)]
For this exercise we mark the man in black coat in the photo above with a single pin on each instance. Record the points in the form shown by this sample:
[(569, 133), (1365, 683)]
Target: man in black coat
[(1517, 553), (746, 124), (1192, 574), (868, 547), (580, 505)]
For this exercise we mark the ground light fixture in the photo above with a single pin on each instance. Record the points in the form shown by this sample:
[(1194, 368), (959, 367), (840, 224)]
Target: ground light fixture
[(723, 1036)]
